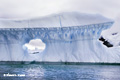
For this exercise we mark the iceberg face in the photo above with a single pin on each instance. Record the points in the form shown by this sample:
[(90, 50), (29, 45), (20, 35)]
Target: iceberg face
[(63, 44)]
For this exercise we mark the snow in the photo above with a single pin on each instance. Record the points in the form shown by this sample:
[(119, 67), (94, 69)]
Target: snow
[(73, 37), (66, 19), (113, 34)]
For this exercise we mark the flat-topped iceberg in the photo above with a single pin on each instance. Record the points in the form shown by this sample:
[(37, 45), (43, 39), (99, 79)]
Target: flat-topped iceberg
[(69, 37)]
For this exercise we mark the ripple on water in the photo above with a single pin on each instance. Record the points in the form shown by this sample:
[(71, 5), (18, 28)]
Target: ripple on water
[(60, 72)]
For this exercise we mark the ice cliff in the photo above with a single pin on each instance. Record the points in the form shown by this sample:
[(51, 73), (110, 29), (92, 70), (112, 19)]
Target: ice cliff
[(69, 37)]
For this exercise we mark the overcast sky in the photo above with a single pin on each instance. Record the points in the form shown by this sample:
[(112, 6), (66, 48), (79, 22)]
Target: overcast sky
[(35, 8)]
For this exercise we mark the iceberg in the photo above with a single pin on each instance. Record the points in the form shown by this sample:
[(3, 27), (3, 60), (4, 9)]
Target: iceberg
[(69, 37)]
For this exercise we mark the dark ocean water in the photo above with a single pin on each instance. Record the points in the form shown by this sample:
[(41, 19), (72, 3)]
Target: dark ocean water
[(38, 71)]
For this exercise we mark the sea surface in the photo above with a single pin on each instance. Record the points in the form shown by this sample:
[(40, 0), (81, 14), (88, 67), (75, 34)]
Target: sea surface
[(54, 71)]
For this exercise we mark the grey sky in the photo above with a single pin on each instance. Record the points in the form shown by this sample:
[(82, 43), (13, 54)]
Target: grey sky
[(35, 8)]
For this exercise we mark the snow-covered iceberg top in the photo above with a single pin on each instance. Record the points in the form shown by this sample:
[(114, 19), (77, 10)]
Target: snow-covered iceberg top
[(66, 19)]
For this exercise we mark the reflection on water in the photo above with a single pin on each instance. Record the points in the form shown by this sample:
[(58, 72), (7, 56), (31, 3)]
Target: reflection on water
[(60, 72)]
